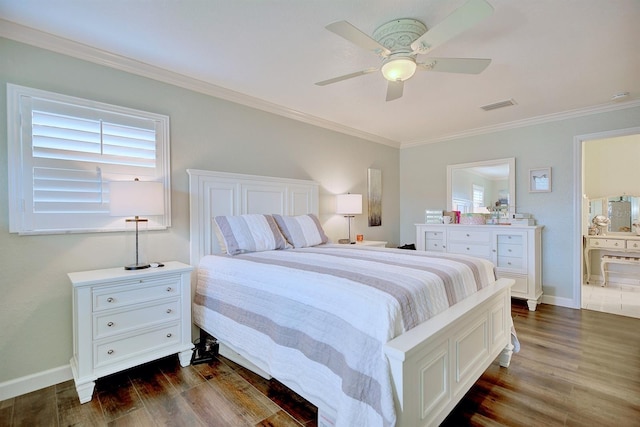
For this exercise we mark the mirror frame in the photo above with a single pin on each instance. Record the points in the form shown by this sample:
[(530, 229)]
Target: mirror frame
[(511, 161)]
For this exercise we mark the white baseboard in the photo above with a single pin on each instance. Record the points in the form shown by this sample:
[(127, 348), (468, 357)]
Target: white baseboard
[(562, 302), (33, 382)]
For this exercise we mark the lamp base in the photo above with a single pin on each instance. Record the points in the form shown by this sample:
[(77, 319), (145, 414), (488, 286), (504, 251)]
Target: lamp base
[(136, 266), (344, 241)]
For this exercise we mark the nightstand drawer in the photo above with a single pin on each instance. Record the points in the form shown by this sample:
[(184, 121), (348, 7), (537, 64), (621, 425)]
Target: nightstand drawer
[(119, 321), (134, 293), (120, 348)]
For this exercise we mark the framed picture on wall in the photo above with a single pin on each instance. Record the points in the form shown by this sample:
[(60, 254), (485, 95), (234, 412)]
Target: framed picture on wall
[(540, 180)]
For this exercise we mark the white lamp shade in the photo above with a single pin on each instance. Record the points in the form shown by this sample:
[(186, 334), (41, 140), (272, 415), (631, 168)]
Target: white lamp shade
[(136, 198), (398, 69), (349, 204)]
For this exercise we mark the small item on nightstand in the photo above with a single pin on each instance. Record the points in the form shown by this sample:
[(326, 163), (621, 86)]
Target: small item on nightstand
[(156, 264), (359, 237)]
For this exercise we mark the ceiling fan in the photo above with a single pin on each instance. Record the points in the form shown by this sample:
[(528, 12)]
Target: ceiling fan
[(400, 41)]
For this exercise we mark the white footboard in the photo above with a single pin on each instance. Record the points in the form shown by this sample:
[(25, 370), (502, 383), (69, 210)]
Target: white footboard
[(436, 363)]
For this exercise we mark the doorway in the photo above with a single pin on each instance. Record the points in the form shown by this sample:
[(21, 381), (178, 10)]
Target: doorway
[(608, 171)]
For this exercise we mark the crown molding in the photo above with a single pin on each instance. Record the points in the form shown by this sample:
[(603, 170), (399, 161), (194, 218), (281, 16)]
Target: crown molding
[(44, 40), (571, 114)]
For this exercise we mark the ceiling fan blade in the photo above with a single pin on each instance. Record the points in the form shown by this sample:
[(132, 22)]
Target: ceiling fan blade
[(357, 37), (394, 90), (463, 18), (346, 76), (455, 65)]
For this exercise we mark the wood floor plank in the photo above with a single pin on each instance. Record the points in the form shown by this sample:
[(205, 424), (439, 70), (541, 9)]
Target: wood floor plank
[(71, 413), (36, 408), (117, 395)]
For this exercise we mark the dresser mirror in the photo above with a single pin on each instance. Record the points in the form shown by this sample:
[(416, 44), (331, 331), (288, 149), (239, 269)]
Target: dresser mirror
[(483, 187), (622, 212)]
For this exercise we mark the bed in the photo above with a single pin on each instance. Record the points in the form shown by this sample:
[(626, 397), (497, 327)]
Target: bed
[(348, 328)]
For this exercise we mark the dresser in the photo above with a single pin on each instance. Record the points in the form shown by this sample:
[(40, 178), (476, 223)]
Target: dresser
[(515, 251), (620, 244), (124, 318)]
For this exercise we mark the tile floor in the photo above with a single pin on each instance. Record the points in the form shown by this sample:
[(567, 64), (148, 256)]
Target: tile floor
[(616, 298)]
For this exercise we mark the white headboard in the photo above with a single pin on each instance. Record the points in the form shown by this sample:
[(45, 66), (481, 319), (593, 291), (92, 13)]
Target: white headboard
[(221, 193)]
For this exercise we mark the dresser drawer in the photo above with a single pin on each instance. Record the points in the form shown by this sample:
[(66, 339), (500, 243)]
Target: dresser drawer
[(110, 322), (113, 351), (510, 262), (471, 236), (633, 245), (482, 251), (434, 245), (607, 243), (513, 239), (128, 293), (509, 250)]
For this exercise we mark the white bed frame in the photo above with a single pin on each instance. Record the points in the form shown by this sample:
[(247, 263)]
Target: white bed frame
[(433, 365)]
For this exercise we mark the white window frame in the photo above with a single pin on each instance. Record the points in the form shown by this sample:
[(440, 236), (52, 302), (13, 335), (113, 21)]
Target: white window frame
[(23, 220)]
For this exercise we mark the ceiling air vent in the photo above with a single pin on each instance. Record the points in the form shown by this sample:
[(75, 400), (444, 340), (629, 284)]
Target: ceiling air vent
[(496, 105)]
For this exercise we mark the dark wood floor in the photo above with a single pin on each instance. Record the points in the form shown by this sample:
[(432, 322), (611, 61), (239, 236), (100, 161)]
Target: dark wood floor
[(575, 368)]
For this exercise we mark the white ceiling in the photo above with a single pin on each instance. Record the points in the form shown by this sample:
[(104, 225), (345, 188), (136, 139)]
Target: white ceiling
[(553, 57)]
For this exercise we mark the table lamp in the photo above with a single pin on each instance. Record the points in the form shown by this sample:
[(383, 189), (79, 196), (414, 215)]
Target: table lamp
[(348, 205), (136, 198)]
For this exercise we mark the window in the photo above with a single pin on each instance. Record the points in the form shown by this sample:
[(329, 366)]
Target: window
[(478, 199), (64, 151)]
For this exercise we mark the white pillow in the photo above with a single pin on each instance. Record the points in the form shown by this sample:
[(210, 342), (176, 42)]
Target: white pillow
[(301, 231), (249, 233)]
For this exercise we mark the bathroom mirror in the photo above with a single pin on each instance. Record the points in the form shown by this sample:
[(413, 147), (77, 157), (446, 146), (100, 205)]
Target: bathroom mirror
[(482, 186), (622, 212)]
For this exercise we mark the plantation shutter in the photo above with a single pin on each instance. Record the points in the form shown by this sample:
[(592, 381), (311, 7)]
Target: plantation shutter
[(69, 154)]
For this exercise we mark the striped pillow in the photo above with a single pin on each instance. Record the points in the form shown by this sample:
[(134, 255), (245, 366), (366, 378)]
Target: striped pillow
[(249, 233), (301, 231)]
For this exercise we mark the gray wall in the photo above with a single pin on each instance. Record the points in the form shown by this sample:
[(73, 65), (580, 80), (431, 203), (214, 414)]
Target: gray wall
[(206, 133), (423, 183)]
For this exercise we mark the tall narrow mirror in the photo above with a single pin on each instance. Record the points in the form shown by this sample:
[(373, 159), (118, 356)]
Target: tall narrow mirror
[(482, 186)]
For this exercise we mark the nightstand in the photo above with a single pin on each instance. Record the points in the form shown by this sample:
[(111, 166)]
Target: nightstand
[(375, 243), (124, 318)]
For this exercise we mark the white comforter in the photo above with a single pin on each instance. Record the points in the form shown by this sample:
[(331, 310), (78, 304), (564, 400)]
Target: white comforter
[(317, 318)]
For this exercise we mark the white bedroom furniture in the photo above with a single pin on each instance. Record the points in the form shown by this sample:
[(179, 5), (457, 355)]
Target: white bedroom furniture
[(433, 365), (515, 250), (124, 318), (621, 245)]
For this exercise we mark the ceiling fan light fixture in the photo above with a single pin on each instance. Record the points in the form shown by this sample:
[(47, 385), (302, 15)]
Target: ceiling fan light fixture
[(398, 69)]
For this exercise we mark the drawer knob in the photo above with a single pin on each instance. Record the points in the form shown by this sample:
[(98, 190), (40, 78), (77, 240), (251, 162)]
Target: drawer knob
[(508, 237), (468, 249), (168, 310), (509, 262), (110, 299), (169, 289), (467, 234), (110, 352), (110, 324), (615, 244), (509, 250), (169, 335)]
